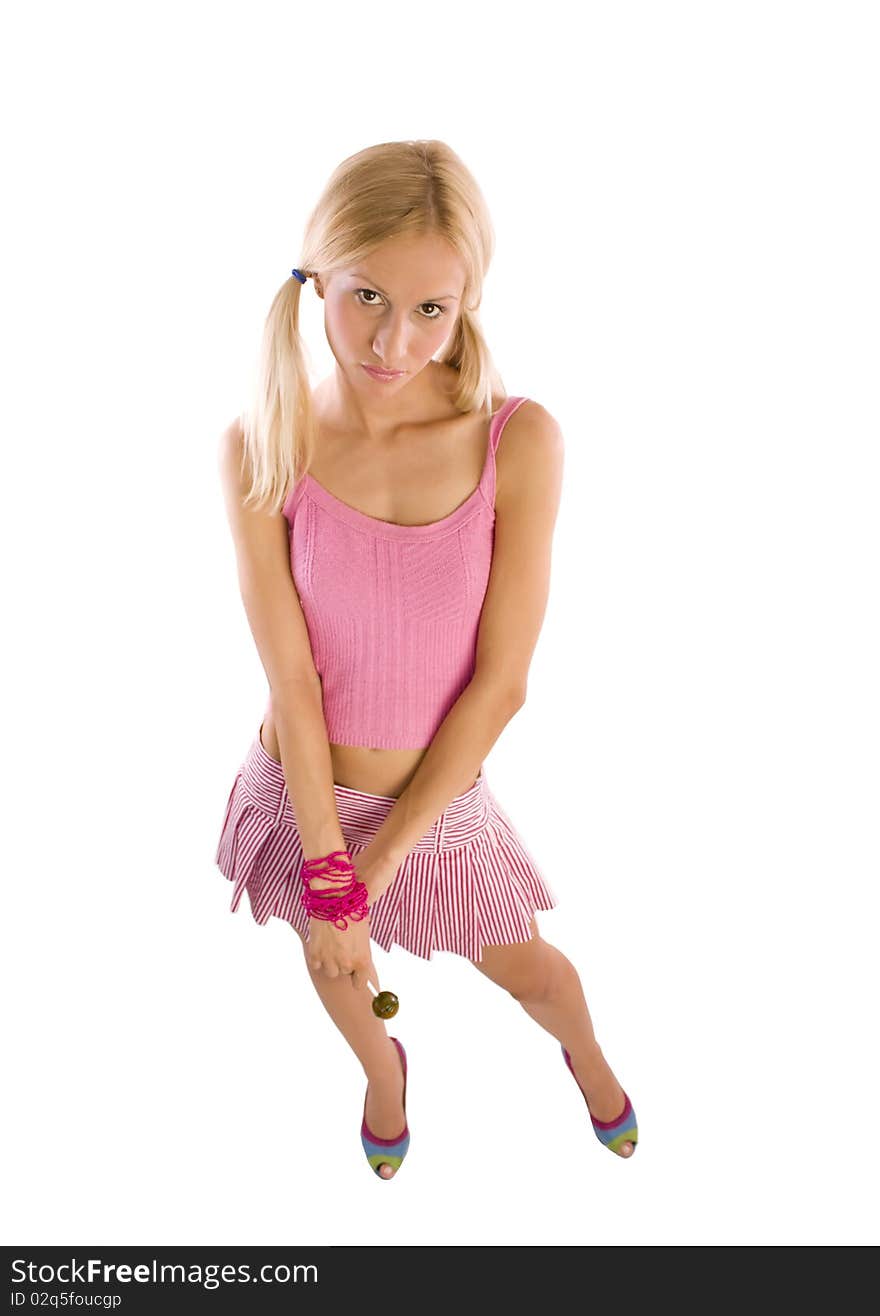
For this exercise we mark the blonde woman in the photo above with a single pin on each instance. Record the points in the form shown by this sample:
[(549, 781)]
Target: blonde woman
[(393, 559)]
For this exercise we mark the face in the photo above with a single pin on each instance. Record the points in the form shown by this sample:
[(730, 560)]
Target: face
[(394, 309)]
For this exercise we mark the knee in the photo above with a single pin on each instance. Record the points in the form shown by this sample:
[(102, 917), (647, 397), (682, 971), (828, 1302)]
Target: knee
[(542, 981), (538, 989)]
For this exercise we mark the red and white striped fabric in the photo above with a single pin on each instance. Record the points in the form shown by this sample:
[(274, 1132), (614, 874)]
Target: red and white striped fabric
[(469, 882)]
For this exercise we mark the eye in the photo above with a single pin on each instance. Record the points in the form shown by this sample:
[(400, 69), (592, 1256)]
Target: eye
[(371, 292)]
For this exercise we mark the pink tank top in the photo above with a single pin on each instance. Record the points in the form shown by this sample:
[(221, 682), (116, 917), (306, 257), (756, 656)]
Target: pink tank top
[(392, 610)]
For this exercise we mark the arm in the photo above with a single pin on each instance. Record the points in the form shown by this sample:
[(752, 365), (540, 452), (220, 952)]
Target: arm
[(529, 486), (279, 629)]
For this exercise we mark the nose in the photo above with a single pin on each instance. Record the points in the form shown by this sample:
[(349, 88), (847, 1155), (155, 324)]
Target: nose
[(390, 343)]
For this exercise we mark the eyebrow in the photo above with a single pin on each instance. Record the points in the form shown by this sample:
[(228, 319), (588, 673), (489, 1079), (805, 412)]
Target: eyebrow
[(440, 297)]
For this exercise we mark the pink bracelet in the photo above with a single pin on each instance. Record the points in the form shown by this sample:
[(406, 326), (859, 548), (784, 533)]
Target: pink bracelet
[(334, 906)]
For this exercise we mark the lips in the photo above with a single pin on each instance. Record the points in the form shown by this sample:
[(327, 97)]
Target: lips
[(383, 374)]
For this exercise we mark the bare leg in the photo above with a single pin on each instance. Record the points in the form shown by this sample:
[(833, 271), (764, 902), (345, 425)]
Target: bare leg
[(352, 1013), (548, 988)]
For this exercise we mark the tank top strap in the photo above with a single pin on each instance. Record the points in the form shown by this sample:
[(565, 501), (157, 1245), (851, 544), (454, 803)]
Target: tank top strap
[(499, 420), (288, 507), (496, 426)]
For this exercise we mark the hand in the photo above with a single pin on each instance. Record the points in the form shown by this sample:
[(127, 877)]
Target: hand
[(377, 872), (341, 952), (338, 953)]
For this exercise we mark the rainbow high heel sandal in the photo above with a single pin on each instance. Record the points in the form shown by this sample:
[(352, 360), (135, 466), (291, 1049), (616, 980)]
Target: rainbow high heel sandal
[(611, 1133), (387, 1151)]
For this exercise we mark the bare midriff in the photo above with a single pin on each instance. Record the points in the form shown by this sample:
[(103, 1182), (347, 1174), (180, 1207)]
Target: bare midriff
[(376, 771)]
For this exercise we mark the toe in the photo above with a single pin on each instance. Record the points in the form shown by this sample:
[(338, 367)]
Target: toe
[(626, 1149), (386, 1171)]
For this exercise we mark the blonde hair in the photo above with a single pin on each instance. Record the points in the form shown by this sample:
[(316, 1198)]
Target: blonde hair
[(394, 188)]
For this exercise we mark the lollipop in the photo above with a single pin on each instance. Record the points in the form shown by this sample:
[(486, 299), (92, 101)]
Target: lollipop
[(385, 1004)]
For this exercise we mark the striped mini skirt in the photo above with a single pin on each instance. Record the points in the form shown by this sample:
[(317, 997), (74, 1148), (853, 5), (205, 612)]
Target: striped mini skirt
[(469, 882)]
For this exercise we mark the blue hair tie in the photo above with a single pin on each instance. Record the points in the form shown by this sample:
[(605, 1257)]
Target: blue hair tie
[(298, 274)]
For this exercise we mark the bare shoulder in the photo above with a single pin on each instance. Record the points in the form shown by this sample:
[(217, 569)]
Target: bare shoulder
[(260, 535), (530, 454), (532, 418), (235, 475), (230, 454)]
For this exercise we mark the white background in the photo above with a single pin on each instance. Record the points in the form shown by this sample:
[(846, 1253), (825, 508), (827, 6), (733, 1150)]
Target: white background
[(685, 198)]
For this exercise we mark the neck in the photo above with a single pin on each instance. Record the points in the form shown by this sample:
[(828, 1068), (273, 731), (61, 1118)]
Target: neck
[(347, 408)]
